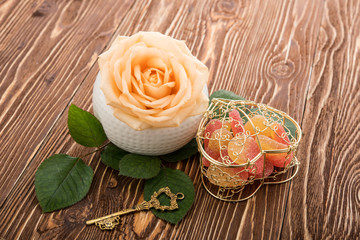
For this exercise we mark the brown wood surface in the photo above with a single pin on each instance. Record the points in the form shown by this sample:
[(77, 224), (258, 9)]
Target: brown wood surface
[(299, 56), (326, 204)]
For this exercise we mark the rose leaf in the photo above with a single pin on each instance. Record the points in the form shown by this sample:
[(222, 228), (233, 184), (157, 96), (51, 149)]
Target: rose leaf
[(178, 182), (112, 155), (61, 181), (139, 166), (225, 95), (183, 153), (84, 128), (291, 128)]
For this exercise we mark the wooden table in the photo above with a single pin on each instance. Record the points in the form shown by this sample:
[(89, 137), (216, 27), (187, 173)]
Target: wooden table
[(302, 57)]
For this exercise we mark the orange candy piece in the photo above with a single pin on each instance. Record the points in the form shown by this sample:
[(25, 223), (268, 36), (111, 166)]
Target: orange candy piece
[(214, 154), (277, 159), (219, 139), (237, 124), (258, 169), (243, 149), (259, 122), (213, 125), (279, 134), (274, 130)]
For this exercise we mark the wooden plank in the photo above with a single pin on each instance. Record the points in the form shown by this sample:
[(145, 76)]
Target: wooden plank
[(46, 50), (325, 203), (262, 51)]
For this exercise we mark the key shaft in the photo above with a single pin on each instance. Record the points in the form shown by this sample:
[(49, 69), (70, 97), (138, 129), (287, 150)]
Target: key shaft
[(146, 205)]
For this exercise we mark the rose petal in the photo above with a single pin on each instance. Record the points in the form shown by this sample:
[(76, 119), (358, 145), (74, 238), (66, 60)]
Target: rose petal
[(139, 111), (108, 85), (158, 92), (141, 55), (160, 103), (132, 121), (139, 89), (167, 76), (137, 73), (197, 73), (120, 70), (118, 75), (184, 49), (156, 63), (182, 82), (163, 42), (153, 76)]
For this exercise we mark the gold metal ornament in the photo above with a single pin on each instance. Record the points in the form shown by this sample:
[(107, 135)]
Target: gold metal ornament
[(227, 172), (109, 222)]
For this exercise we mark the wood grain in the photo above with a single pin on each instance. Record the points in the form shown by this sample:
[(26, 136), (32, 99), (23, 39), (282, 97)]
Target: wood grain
[(211, 24), (326, 203), (263, 51), (47, 48)]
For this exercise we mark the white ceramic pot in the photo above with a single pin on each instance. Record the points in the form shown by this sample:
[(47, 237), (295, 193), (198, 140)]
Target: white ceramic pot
[(154, 141)]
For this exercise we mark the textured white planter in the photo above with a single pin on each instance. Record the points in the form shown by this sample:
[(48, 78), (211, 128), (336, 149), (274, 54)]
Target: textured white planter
[(156, 141)]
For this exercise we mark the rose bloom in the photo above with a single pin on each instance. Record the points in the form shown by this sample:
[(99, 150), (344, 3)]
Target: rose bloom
[(151, 80)]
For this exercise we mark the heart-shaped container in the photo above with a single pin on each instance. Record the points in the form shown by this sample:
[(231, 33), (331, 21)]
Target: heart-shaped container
[(154, 141), (245, 145)]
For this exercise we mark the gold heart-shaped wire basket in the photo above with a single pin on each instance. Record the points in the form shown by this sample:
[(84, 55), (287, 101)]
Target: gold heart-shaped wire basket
[(234, 182)]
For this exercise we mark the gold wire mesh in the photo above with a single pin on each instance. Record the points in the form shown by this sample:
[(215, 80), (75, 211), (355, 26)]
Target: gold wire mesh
[(242, 151)]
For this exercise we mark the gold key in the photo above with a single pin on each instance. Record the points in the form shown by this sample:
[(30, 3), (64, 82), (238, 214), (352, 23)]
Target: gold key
[(110, 221)]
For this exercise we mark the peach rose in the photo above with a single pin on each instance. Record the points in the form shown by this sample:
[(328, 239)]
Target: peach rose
[(152, 80)]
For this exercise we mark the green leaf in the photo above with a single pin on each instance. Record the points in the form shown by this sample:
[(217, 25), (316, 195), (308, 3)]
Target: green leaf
[(226, 95), (139, 166), (178, 182), (183, 153), (84, 128), (112, 155), (292, 128), (62, 181)]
